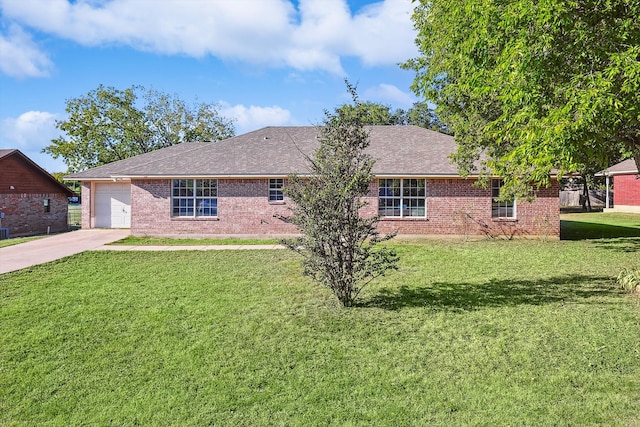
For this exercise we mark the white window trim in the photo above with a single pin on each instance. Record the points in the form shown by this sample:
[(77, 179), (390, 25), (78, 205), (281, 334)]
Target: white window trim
[(513, 202), (401, 197), (277, 189), (195, 198)]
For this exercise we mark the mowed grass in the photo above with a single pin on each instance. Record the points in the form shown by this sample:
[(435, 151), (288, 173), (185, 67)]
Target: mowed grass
[(474, 333), (169, 241), (17, 240), (597, 225)]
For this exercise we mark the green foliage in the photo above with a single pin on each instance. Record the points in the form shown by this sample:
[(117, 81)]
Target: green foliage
[(424, 116), (374, 113), (339, 244), (108, 124), (533, 86), (74, 186), (629, 280)]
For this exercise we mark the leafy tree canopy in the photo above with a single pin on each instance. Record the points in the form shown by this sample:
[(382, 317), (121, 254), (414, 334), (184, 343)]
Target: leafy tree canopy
[(532, 85), (110, 124), (375, 113), (339, 244), (372, 113)]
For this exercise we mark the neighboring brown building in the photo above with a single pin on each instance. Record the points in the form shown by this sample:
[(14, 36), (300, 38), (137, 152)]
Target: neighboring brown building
[(31, 200), (234, 187)]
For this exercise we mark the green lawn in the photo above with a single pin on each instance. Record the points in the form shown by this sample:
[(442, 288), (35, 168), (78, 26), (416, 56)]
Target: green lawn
[(16, 240), (465, 333), (596, 225), (168, 241)]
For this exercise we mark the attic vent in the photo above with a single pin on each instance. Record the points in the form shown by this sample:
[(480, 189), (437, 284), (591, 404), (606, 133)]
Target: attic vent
[(266, 137)]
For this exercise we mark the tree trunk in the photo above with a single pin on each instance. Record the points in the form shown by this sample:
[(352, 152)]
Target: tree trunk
[(586, 200)]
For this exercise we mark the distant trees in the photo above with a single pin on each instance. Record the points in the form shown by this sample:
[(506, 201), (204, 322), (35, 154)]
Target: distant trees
[(339, 246), (530, 87), (375, 113), (110, 124)]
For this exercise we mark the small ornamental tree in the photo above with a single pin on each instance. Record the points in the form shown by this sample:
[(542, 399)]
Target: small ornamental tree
[(339, 246)]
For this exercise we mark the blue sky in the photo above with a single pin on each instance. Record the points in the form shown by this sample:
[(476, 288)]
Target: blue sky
[(264, 62)]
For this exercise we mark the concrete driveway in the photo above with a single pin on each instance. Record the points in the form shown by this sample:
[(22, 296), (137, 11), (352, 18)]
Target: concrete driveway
[(54, 247)]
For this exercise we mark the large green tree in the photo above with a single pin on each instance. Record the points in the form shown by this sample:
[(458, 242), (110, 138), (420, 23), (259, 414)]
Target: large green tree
[(531, 86), (338, 244), (376, 113), (110, 124), (373, 113)]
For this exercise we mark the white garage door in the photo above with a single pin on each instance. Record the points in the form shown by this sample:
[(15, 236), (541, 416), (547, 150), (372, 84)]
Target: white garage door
[(113, 205)]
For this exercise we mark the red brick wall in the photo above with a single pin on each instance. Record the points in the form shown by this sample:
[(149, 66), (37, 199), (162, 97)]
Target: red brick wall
[(85, 206), (243, 208), (626, 190), (25, 215), (454, 206)]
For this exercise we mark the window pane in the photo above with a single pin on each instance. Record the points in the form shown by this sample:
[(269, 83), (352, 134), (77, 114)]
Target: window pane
[(207, 207), (182, 207), (275, 195), (500, 209), (389, 207), (275, 189), (402, 197), (192, 197)]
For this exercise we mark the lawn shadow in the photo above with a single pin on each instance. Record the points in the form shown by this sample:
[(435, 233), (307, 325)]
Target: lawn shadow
[(494, 293), (579, 230), (631, 244)]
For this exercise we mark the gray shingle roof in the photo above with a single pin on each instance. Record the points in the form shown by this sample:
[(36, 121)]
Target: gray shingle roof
[(625, 167), (278, 151)]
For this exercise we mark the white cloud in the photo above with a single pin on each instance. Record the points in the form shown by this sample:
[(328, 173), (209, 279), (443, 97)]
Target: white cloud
[(269, 32), (387, 93), (29, 130), (254, 117), (383, 33), (20, 57), (30, 133)]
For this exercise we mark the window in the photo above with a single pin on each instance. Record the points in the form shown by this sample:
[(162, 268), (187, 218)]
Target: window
[(501, 209), (47, 205), (275, 190), (402, 198), (195, 197)]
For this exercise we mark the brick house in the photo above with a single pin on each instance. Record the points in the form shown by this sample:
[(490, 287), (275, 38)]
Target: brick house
[(626, 190), (32, 201), (235, 187)]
